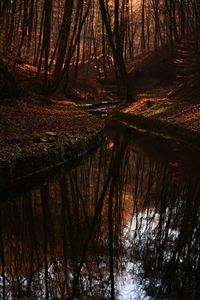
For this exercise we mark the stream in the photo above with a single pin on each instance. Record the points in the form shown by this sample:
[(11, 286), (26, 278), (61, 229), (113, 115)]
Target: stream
[(123, 224)]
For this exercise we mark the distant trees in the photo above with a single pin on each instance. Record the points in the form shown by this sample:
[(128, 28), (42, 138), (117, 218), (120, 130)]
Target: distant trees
[(60, 36)]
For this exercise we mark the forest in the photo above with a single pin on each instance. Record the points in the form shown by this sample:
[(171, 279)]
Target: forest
[(61, 41), (99, 149)]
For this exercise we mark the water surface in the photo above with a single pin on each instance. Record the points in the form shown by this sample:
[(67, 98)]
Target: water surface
[(124, 224)]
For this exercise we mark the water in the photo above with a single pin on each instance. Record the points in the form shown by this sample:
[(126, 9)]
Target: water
[(124, 224)]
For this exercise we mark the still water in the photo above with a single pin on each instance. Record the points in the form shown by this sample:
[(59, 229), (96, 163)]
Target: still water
[(124, 224)]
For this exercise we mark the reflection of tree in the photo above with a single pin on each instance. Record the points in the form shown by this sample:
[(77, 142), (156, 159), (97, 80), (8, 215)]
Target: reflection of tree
[(57, 235), (169, 245), (71, 237)]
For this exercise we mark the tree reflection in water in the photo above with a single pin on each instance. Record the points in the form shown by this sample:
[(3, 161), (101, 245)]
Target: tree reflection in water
[(123, 225)]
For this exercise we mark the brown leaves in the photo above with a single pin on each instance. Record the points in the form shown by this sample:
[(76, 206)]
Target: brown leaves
[(180, 112), (27, 128)]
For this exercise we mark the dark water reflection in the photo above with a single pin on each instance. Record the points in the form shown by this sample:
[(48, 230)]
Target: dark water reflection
[(123, 225)]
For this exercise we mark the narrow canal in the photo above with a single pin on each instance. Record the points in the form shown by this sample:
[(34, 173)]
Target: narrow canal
[(123, 224)]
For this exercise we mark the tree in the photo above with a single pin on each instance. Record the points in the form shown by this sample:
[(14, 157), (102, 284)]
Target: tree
[(115, 42)]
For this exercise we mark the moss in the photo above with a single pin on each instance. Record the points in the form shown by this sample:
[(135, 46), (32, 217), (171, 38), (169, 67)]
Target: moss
[(27, 166), (53, 155), (3, 179)]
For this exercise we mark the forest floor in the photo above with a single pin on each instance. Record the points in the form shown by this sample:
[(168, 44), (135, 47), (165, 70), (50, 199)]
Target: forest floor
[(155, 104), (175, 97), (29, 128)]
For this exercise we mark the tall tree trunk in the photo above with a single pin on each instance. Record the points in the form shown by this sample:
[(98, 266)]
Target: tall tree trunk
[(64, 37), (115, 44), (46, 42), (143, 42)]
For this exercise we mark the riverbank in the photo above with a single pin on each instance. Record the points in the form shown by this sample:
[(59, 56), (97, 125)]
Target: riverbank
[(161, 114), (35, 138)]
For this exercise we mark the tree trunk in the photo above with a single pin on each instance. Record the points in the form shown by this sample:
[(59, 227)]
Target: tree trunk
[(115, 44)]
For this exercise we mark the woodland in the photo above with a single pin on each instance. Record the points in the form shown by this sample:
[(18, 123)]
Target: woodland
[(74, 45), (99, 147), (77, 52)]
